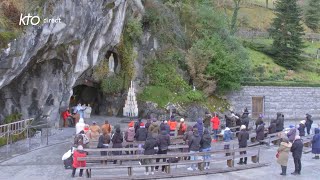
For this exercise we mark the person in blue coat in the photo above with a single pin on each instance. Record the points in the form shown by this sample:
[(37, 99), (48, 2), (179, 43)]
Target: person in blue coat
[(199, 126), (316, 143)]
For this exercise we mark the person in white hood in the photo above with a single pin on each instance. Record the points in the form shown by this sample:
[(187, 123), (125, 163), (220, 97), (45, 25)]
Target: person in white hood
[(80, 125)]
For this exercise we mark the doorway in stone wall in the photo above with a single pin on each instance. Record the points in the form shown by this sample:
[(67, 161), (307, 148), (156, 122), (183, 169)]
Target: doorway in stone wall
[(257, 106)]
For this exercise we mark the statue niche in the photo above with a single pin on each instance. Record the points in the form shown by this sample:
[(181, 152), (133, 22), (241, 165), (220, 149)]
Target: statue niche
[(112, 62)]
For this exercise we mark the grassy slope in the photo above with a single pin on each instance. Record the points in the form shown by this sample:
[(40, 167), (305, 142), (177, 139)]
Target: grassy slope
[(264, 68)]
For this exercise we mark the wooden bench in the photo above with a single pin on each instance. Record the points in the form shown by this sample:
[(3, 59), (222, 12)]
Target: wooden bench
[(254, 156)]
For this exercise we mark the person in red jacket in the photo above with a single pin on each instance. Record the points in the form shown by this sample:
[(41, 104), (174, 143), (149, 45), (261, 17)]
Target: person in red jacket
[(76, 164), (65, 115), (173, 125), (182, 127), (215, 126)]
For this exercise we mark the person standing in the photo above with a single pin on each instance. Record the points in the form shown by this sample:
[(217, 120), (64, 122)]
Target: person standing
[(301, 128), (106, 127), (199, 126), (154, 128), (194, 146), (245, 118), (164, 125), (206, 120), (117, 141), (65, 116), (87, 111), (182, 127), (279, 122), (283, 155), (206, 147), (95, 131), (76, 164), (215, 126), (163, 142), (292, 133), (148, 147), (243, 137), (148, 124), (173, 125), (227, 137), (80, 126), (316, 143), (296, 150), (308, 123), (187, 138)]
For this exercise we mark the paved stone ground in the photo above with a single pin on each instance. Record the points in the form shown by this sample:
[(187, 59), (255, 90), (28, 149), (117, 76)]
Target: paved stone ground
[(45, 163)]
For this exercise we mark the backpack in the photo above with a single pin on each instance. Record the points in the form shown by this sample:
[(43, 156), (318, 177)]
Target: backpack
[(85, 139)]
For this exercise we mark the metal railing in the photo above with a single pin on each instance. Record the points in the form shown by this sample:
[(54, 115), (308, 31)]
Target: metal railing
[(15, 127)]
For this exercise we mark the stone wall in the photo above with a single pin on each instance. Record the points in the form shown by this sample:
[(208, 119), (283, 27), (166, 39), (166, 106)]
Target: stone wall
[(293, 102)]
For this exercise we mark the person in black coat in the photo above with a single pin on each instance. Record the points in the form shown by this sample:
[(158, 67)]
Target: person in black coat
[(163, 142), (141, 134), (206, 146), (308, 123), (148, 147), (117, 140), (272, 128), (260, 132), (243, 137), (137, 125), (279, 122), (301, 128), (296, 150)]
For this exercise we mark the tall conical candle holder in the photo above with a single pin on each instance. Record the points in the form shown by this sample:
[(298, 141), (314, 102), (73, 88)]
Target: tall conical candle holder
[(131, 107)]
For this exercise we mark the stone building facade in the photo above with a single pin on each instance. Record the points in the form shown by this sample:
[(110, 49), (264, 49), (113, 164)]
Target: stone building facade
[(293, 102)]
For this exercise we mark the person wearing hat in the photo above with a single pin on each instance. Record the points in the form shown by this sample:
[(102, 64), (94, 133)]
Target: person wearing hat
[(301, 128), (129, 136), (283, 155), (308, 123), (164, 125), (296, 150), (227, 136), (182, 127), (95, 130), (292, 133), (316, 143), (80, 126), (243, 137), (142, 133), (199, 126), (76, 164)]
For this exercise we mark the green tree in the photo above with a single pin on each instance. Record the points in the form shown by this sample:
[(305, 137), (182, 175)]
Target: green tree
[(312, 16), (235, 16), (286, 31)]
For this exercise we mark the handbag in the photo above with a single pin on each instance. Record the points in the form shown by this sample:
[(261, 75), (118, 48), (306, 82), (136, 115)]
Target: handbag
[(277, 155)]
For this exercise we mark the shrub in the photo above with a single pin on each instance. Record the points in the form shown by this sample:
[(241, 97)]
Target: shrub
[(113, 84)]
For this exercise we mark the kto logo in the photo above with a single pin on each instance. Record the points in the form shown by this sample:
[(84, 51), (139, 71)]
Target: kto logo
[(26, 20)]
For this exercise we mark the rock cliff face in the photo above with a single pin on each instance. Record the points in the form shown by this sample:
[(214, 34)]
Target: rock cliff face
[(39, 70)]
